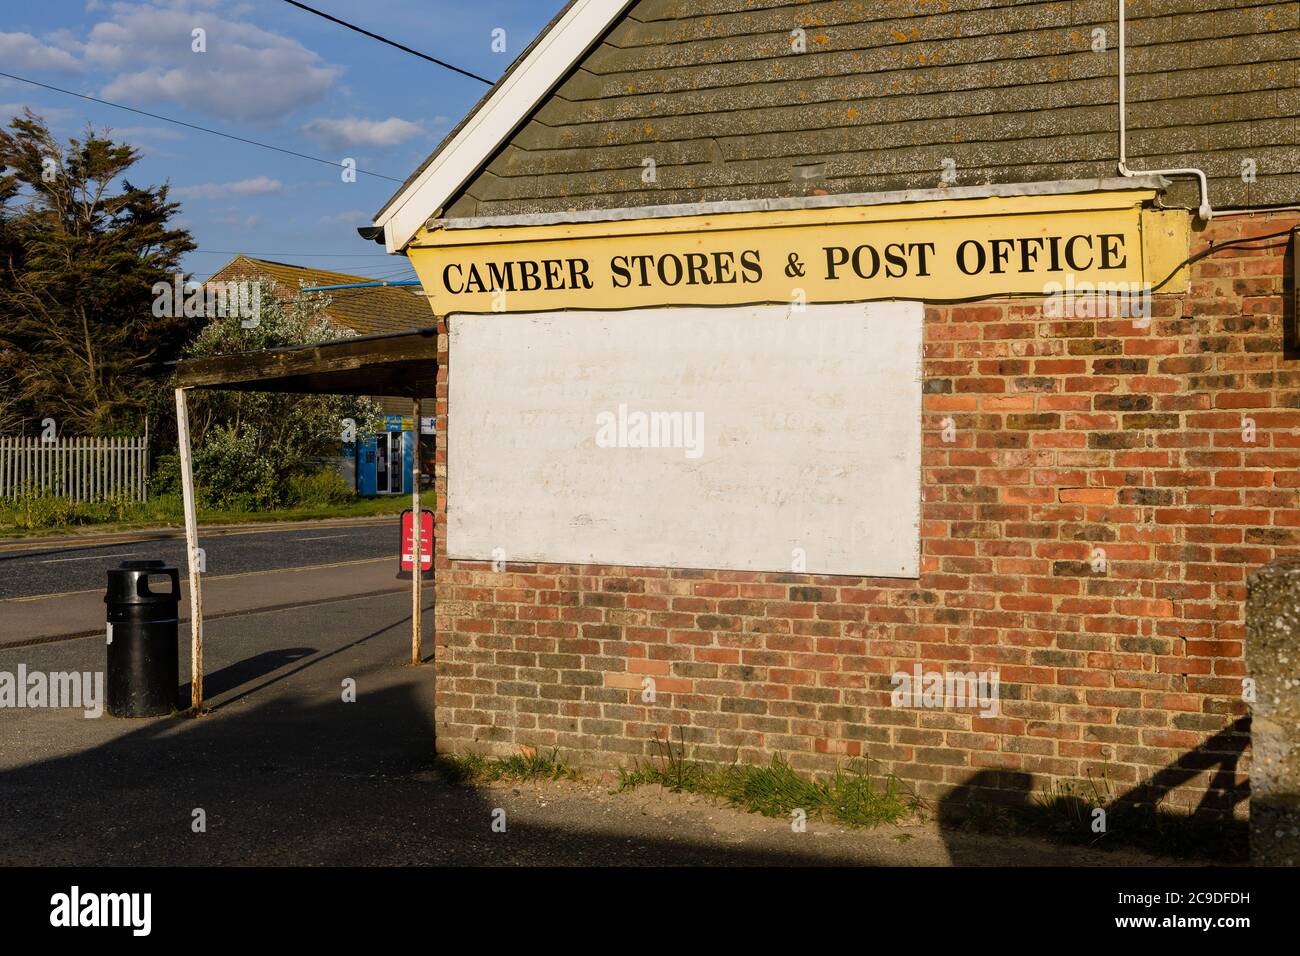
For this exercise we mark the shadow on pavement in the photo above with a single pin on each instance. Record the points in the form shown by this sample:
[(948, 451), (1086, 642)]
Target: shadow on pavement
[(250, 669), (296, 782), (285, 772)]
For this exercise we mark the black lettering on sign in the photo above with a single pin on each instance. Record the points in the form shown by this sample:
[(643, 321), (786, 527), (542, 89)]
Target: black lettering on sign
[(1111, 246), (895, 260), (723, 264), (922, 249), (622, 277), (643, 263), (1001, 250), (1029, 253), (697, 264), (866, 262), (474, 282), (961, 257), (836, 256), (528, 272), (665, 272), (857, 262), (578, 274), (554, 278), (501, 276), (1069, 253), (446, 278)]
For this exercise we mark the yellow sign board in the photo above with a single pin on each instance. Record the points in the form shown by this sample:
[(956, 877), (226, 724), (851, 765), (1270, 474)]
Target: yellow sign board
[(936, 251)]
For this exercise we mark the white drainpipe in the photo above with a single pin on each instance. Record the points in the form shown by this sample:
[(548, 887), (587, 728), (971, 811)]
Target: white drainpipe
[(1206, 213)]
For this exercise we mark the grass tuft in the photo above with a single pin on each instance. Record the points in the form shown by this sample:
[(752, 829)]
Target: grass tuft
[(469, 768), (851, 796)]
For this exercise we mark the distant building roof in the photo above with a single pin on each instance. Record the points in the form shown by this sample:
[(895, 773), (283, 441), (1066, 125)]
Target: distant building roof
[(367, 311)]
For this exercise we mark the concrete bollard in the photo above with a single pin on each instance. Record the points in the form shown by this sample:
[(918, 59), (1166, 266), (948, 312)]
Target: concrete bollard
[(1273, 664)]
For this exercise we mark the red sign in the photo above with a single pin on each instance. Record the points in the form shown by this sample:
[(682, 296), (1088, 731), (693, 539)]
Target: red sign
[(426, 541)]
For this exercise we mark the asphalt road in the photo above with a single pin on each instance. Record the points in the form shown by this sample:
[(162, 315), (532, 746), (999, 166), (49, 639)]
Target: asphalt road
[(47, 568)]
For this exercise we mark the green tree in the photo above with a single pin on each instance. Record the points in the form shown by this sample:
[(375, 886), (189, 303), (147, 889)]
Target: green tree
[(249, 447), (81, 248)]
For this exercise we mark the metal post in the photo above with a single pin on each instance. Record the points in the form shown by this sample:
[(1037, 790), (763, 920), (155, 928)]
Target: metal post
[(192, 549), (416, 652)]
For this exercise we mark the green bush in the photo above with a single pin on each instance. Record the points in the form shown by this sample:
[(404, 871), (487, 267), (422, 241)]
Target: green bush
[(34, 509), (165, 476), (231, 475), (322, 487)]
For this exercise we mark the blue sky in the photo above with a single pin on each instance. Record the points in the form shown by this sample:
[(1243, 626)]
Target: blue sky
[(272, 73)]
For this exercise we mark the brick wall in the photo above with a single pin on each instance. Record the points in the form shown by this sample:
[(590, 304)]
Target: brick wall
[(1067, 435)]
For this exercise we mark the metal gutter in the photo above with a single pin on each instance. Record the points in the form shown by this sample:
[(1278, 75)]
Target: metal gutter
[(1060, 187)]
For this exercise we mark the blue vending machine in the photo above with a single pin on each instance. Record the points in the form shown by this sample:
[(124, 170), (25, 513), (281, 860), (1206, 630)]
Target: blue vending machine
[(367, 484), (408, 459), (384, 459)]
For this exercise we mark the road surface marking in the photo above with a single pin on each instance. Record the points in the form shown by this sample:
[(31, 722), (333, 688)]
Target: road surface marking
[(93, 557), (208, 577), (321, 537)]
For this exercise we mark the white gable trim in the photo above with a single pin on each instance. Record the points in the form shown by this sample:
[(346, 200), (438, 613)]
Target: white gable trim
[(512, 99)]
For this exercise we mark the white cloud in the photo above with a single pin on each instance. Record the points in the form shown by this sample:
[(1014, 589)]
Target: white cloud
[(53, 115), (260, 186), (247, 74), (243, 222), (346, 131), (349, 217), (22, 51)]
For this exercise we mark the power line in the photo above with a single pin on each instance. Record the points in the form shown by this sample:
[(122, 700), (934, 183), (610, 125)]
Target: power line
[(393, 43), (201, 129)]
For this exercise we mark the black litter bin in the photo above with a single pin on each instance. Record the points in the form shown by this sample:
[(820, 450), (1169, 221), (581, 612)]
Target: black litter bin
[(143, 665)]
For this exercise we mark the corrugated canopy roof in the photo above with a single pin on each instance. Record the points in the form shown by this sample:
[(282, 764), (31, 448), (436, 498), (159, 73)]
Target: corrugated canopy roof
[(403, 364)]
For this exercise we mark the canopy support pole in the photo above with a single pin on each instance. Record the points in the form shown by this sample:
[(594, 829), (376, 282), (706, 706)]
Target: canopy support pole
[(416, 549), (192, 550)]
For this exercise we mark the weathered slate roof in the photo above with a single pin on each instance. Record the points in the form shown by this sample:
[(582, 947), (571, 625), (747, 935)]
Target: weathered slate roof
[(890, 89), (367, 311)]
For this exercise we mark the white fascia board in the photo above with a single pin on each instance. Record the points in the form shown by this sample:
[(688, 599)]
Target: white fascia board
[(513, 99)]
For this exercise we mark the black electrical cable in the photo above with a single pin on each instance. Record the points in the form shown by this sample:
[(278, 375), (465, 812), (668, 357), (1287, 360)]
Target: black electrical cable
[(1213, 249), (392, 43), (201, 129)]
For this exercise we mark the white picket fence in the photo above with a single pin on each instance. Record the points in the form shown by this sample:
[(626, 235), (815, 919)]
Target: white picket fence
[(79, 469)]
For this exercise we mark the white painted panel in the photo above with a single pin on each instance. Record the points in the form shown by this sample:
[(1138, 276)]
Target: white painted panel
[(810, 441)]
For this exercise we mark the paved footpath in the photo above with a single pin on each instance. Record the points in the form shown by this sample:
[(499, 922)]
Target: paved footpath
[(285, 772)]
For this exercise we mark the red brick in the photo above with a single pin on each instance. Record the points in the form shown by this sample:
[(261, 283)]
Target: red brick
[(1072, 434)]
